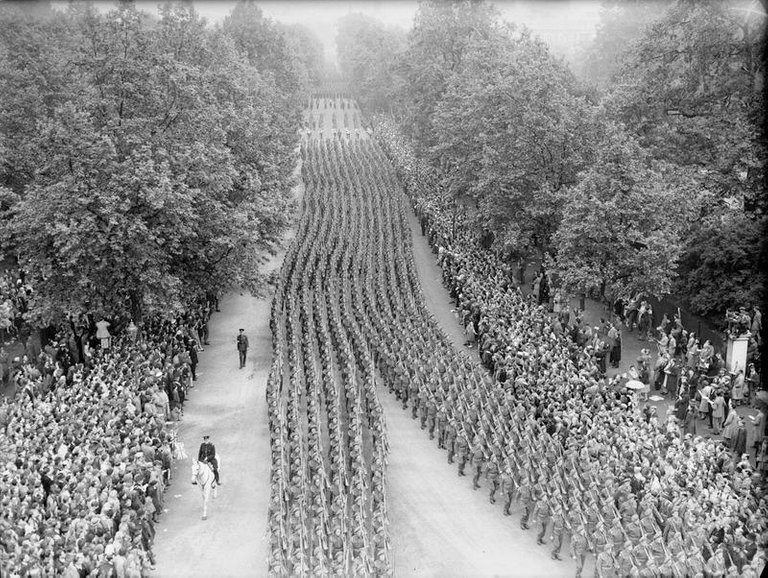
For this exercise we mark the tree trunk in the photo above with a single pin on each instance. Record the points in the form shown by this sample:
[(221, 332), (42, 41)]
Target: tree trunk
[(137, 310)]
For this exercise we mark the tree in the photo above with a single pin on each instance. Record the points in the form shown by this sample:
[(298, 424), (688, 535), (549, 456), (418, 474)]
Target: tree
[(512, 132), (719, 270), (264, 44), (36, 75), (367, 52), (441, 34), (623, 222), (163, 176), (307, 51), (622, 22), (691, 90)]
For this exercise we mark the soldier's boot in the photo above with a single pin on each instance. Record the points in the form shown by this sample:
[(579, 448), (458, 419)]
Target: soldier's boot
[(476, 479), (450, 455), (492, 496), (423, 421), (414, 413), (461, 468), (540, 537), (432, 431)]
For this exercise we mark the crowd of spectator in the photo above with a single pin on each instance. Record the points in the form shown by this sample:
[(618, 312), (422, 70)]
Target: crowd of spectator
[(88, 442), (14, 301)]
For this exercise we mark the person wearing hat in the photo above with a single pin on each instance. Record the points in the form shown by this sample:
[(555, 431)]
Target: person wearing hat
[(207, 454), (242, 347)]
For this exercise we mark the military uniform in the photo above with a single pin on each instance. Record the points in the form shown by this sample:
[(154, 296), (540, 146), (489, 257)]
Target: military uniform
[(579, 548), (526, 498), (442, 424), (492, 474), (543, 513), (477, 464), (558, 526), (462, 451), (431, 412), (450, 440), (507, 490), (624, 562), (605, 565)]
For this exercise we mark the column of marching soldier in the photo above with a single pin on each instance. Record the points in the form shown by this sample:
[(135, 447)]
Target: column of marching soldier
[(550, 462), (640, 497), (346, 120), (328, 508)]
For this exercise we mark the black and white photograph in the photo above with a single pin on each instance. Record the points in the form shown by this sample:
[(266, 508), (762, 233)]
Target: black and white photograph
[(383, 288)]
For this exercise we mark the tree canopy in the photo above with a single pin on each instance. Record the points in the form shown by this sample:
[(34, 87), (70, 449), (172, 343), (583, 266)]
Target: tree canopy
[(152, 158), (629, 173), (368, 52)]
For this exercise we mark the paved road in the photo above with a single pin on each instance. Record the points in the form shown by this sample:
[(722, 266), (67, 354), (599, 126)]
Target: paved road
[(228, 403)]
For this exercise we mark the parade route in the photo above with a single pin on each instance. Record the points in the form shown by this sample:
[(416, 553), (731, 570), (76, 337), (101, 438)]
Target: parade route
[(227, 403), (439, 526)]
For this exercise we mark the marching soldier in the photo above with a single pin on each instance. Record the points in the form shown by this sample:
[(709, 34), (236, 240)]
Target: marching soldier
[(492, 474), (634, 530), (624, 562), (462, 451), (442, 424), (507, 486), (526, 498), (431, 417), (413, 395), (640, 553), (579, 546), (423, 407), (450, 439), (558, 525), (543, 512), (477, 462), (599, 538), (605, 564)]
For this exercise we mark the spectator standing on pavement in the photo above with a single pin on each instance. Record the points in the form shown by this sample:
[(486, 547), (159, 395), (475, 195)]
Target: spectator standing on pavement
[(737, 389), (718, 411), (756, 327), (242, 347), (755, 432), (102, 333)]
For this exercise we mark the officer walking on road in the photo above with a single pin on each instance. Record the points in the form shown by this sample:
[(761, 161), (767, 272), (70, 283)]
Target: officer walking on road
[(242, 347)]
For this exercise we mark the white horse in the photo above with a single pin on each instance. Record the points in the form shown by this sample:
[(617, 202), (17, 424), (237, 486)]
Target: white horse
[(203, 476)]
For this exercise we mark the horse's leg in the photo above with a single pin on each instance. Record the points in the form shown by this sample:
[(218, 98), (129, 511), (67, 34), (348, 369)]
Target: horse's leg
[(206, 493)]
